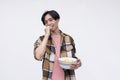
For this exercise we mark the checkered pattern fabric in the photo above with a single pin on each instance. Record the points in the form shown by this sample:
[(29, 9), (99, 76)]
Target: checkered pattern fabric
[(67, 50)]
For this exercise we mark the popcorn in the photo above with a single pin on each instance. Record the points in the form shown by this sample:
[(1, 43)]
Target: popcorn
[(67, 60)]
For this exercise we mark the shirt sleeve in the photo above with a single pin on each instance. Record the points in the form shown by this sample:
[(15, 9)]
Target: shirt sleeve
[(74, 49), (36, 45)]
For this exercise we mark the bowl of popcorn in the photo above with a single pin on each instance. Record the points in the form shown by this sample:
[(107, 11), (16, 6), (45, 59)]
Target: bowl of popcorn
[(65, 62)]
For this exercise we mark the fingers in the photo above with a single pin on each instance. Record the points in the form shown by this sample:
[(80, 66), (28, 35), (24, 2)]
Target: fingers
[(75, 65), (47, 30)]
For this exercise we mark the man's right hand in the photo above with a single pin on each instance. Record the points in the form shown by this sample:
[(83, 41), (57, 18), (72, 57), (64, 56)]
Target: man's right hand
[(47, 30)]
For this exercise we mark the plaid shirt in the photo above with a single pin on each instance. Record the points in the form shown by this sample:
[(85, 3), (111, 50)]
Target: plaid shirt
[(67, 50)]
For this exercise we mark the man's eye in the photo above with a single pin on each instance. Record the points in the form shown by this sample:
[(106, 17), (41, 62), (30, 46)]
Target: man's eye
[(50, 19)]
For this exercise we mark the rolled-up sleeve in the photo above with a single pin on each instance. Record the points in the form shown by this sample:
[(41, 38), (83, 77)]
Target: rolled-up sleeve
[(36, 45)]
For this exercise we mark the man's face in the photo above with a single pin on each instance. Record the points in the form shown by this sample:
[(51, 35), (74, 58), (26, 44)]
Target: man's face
[(49, 21)]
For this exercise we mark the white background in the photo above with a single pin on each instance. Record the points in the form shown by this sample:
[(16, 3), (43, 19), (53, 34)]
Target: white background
[(94, 25)]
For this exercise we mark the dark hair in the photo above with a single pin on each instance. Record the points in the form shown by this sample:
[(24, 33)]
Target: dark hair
[(52, 13)]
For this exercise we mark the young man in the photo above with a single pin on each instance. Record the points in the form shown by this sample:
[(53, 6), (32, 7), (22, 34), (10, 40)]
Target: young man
[(52, 45)]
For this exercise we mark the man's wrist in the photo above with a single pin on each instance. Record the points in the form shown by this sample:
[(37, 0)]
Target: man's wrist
[(47, 35)]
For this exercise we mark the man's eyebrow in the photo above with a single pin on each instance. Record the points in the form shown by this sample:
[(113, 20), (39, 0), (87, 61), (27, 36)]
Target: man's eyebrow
[(49, 19)]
